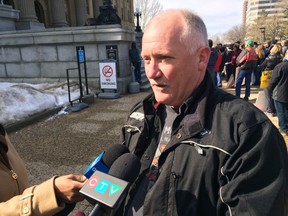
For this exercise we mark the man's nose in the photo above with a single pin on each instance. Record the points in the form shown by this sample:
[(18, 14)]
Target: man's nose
[(152, 69)]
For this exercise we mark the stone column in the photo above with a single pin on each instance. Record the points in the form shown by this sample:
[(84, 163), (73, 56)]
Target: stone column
[(96, 7), (58, 13), (81, 12), (27, 16)]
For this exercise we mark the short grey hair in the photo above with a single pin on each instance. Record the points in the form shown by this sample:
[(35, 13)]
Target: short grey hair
[(194, 34)]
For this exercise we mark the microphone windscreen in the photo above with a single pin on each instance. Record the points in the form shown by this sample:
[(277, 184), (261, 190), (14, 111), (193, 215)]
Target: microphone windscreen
[(126, 167), (112, 153)]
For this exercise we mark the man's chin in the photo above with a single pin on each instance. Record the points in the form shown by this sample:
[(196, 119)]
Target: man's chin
[(162, 98)]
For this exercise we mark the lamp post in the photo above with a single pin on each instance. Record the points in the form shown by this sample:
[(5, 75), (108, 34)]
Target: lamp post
[(138, 14), (262, 29)]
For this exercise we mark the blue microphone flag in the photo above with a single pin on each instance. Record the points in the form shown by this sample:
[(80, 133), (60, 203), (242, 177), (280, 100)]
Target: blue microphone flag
[(97, 164)]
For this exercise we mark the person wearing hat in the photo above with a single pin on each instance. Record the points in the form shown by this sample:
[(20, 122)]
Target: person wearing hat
[(247, 61)]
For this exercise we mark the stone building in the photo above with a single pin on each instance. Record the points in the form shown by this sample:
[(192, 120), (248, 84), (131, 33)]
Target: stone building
[(265, 19), (253, 9), (38, 39), (37, 14)]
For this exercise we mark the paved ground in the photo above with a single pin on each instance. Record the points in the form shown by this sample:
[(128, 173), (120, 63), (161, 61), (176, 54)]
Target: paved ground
[(68, 143)]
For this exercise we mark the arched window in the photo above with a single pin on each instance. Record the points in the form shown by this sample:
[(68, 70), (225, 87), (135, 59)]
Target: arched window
[(39, 12)]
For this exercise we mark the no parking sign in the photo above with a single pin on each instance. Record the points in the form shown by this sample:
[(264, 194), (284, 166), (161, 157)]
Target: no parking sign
[(108, 78)]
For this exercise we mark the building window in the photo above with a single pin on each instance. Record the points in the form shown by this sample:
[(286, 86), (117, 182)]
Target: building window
[(39, 12)]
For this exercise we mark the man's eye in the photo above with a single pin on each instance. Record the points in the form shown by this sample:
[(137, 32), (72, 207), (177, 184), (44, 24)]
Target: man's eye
[(146, 59), (164, 58)]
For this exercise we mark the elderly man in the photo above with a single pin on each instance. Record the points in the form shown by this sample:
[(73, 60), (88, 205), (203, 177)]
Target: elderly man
[(203, 151)]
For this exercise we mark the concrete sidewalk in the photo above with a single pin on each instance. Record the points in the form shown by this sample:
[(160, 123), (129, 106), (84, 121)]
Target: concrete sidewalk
[(68, 143)]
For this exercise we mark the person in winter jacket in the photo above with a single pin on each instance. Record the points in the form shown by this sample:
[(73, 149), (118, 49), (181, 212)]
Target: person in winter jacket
[(135, 59), (272, 59), (269, 63), (212, 60), (227, 63), (203, 151), (260, 58), (247, 60), (52, 197), (231, 65), (217, 72), (278, 90)]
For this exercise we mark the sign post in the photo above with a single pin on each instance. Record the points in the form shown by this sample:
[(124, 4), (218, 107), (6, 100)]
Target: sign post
[(83, 99), (81, 60), (108, 79)]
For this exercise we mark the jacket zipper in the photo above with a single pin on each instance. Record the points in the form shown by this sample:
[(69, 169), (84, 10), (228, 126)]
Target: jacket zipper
[(14, 174), (175, 179)]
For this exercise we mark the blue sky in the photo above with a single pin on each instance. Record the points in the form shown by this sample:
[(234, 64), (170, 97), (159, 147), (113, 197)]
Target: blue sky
[(218, 15)]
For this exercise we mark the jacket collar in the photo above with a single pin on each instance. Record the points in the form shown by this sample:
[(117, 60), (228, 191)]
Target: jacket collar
[(194, 108)]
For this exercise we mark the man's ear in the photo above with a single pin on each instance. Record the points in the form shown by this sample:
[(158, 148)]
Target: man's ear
[(204, 55)]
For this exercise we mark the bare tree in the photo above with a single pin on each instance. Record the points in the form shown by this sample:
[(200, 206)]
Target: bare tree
[(275, 27), (148, 9), (236, 33), (254, 30)]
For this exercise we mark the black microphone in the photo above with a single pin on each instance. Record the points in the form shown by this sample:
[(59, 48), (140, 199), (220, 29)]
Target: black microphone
[(109, 190), (105, 160)]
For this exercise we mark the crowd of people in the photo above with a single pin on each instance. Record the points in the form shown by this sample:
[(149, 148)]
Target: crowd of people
[(243, 64)]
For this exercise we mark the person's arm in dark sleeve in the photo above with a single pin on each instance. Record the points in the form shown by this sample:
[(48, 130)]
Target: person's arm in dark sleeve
[(275, 77), (256, 174), (263, 64)]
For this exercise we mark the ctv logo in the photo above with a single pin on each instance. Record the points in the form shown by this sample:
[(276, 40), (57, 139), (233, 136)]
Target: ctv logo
[(102, 185)]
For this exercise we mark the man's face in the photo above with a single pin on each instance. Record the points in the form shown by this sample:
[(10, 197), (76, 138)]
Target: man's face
[(173, 72)]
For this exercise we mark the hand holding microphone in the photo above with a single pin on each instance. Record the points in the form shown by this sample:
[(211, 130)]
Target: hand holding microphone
[(67, 188)]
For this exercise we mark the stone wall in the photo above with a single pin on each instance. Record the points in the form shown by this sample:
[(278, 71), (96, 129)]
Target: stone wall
[(8, 16), (44, 56)]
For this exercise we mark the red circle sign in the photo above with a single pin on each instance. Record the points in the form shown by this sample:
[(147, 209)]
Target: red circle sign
[(107, 71)]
